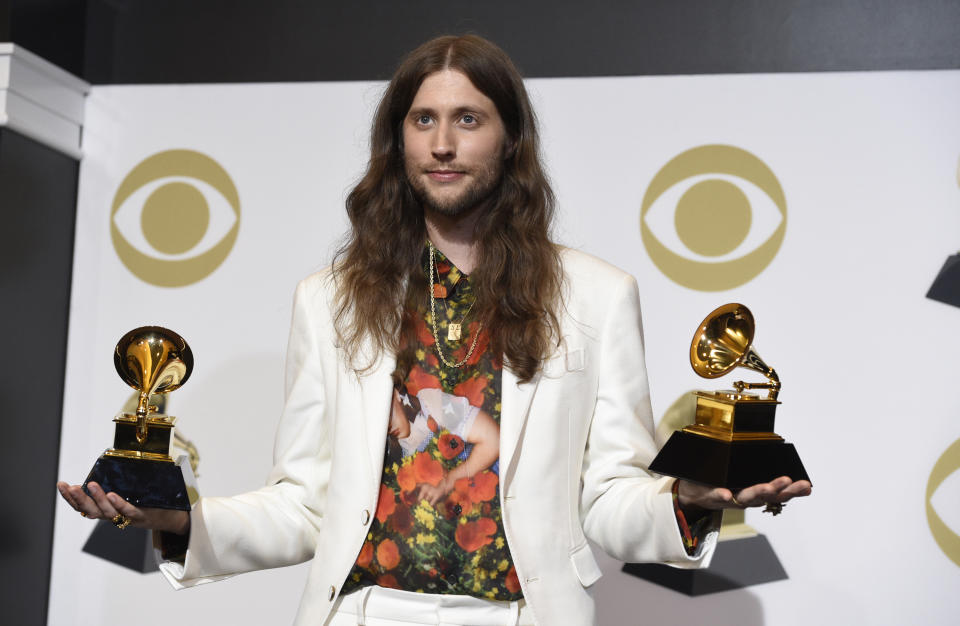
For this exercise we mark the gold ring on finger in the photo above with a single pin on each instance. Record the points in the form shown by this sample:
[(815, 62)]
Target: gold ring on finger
[(120, 520), (737, 502)]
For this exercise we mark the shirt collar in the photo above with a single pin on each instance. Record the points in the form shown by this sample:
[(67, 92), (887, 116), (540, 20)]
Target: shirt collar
[(450, 276)]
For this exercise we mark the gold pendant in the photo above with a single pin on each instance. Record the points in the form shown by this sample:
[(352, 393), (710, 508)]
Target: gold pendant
[(453, 332)]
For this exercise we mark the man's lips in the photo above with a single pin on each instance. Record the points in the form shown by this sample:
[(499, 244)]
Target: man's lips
[(445, 176)]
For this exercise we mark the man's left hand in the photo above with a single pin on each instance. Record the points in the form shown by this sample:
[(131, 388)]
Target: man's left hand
[(694, 496)]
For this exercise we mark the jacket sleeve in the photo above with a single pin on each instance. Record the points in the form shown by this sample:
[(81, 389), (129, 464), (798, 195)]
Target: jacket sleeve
[(276, 525), (625, 509)]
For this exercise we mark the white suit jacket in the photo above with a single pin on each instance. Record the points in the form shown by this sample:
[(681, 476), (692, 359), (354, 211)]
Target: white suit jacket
[(574, 445)]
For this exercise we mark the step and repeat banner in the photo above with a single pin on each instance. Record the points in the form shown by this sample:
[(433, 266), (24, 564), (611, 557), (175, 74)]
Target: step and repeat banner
[(827, 203)]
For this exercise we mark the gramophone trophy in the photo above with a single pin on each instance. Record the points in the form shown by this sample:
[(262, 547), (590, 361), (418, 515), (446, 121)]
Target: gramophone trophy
[(732, 443), (152, 360)]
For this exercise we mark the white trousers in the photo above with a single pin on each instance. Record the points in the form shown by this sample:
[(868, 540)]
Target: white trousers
[(378, 606)]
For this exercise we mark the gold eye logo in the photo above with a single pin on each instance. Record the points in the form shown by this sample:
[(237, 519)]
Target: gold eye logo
[(721, 199), (946, 537), (185, 198)]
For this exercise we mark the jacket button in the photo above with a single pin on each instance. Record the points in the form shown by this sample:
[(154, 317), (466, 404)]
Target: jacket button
[(365, 517), (331, 593)]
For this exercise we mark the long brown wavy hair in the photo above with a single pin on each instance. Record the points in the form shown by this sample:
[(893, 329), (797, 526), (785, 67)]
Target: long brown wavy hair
[(379, 276)]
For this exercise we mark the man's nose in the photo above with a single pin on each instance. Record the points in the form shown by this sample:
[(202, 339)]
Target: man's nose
[(444, 143)]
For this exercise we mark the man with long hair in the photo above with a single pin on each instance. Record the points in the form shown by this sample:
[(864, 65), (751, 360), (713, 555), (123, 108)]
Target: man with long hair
[(521, 360)]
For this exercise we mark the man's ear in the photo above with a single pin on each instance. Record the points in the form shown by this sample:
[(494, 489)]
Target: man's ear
[(509, 150)]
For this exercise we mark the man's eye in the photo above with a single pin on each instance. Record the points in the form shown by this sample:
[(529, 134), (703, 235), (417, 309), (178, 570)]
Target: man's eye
[(423, 120), (469, 119)]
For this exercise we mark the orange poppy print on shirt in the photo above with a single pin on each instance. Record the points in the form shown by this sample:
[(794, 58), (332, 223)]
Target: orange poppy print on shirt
[(460, 496), (472, 536), (424, 334), (388, 580), (386, 503), (483, 340), (418, 379), (512, 583), (472, 390), (388, 555), (366, 554), (426, 469), (450, 445), (483, 486), (406, 479)]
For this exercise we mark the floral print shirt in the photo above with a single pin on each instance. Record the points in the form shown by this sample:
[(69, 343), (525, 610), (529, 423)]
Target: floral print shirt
[(438, 526)]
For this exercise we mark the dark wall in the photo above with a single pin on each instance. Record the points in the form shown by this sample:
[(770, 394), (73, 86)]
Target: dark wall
[(38, 199), (176, 41)]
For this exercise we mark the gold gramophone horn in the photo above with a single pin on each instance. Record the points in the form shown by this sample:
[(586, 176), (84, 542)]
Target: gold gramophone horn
[(152, 359), (724, 341)]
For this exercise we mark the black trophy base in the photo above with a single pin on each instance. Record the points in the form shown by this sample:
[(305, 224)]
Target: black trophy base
[(737, 563), (946, 286), (131, 548), (733, 465), (142, 483)]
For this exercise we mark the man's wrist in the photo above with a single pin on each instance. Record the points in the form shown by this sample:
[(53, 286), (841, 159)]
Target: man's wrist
[(181, 524), (687, 501)]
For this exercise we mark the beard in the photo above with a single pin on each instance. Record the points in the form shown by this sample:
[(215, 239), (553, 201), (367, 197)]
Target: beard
[(483, 183)]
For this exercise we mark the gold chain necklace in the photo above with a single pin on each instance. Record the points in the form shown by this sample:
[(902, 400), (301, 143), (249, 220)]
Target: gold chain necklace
[(454, 330), (433, 320)]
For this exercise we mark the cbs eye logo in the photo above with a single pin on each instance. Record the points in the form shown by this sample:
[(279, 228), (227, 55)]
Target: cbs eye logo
[(713, 217), (944, 535), (175, 218)]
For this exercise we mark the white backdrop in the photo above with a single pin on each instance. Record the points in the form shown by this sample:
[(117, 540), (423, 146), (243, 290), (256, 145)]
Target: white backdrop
[(868, 164)]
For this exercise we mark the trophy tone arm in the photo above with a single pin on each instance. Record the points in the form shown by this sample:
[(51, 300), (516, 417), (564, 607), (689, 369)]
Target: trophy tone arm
[(773, 387)]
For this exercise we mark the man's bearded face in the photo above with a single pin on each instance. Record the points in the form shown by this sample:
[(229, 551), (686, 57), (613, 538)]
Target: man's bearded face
[(454, 144)]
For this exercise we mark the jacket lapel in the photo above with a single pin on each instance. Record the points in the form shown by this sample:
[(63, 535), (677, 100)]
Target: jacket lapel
[(376, 389), (514, 408)]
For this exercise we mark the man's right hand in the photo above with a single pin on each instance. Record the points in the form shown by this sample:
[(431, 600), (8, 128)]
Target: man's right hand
[(100, 505), (694, 496)]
